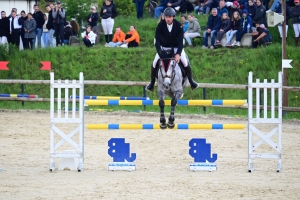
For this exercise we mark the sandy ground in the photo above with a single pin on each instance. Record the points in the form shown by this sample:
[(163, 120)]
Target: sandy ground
[(162, 162)]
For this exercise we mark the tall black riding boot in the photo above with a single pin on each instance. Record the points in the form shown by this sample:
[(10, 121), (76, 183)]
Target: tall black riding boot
[(296, 41), (188, 70), (106, 38), (150, 86), (110, 38)]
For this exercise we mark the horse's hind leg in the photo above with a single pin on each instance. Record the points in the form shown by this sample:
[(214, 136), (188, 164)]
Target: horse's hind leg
[(173, 105), (162, 120)]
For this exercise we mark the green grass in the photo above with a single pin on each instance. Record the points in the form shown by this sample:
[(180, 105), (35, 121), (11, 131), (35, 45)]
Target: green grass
[(227, 66)]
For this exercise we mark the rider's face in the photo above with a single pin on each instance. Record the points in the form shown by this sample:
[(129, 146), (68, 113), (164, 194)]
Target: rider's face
[(169, 19)]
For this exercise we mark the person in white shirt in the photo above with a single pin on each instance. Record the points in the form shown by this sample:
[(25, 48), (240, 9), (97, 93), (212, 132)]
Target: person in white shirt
[(15, 29), (89, 37)]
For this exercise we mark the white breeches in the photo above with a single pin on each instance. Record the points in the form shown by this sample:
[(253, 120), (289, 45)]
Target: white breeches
[(296, 29), (3, 40), (280, 30), (183, 57), (108, 25)]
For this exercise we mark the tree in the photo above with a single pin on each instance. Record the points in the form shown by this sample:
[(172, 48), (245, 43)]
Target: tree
[(78, 10)]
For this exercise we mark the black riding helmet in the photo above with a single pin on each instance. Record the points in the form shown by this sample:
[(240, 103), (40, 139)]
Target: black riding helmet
[(169, 12)]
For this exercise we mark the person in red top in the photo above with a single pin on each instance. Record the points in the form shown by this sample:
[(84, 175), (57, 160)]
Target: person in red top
[(132, 38), (118, 39)]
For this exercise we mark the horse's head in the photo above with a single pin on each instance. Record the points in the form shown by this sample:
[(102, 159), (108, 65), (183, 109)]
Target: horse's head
[(167, 71)]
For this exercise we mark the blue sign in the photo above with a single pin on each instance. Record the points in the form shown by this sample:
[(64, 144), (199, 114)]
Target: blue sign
[(119, 150), (201, 151)]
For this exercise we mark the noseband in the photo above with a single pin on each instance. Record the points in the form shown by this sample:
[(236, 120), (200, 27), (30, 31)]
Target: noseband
[(173, 70)]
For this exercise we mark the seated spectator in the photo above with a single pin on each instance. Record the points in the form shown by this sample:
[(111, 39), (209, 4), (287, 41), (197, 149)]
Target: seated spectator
[(260, 14), (174, 4), (212, 28), (296, 21), (209, 5), (246, 20), (234, 8), (88, 37), (29, 27), (251, 9), (202, 9), (118, 38), (132, 38), (67, 33), (184, 23), (159, 9), (235, 25), (198, 6), (288, 16), (185, 7), (262, 36), (193, 30), (222, 9), (275, 4), (75, 27), (225, 25)]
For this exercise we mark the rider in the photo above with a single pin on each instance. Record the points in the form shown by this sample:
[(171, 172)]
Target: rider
[(169, 34)]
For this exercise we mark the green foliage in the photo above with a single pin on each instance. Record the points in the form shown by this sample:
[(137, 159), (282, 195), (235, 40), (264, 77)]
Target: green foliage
[(78, 9), (124, 7)]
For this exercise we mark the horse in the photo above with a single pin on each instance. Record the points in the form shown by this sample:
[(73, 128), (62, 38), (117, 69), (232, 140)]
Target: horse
[(170, 83)]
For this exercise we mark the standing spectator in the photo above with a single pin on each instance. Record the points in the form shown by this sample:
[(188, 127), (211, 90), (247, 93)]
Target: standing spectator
[(50, 25), (15, 29), (67, 33), (212, 28), (225, 26), (288, 16), (139, 4), (246, 20), (22, 20), (222, 9), (59, 16), (88, 37), (108, 13), (234, 8), (193, 30), (93, 17), (262, 36), (45, 32), (235, 25), (296, 21), (184, 23), (118, 39), (12, 10), (30, 33), (251, 9), (4, 28), (132, 38), (260, 14), (75, 27), (40, 21), (159, 9)]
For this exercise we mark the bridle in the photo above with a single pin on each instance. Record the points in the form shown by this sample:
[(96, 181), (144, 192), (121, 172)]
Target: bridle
[(173, 69)]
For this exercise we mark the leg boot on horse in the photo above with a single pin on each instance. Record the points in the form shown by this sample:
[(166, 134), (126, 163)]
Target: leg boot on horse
[(188, 70)]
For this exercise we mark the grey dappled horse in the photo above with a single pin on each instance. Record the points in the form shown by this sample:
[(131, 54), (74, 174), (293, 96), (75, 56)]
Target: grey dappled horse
[(170, 82)]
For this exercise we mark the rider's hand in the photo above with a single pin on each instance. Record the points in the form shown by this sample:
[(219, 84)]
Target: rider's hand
[(177, 58)]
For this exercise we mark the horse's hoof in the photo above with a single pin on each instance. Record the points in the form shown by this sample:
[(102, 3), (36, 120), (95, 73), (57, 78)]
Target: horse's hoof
[(171, 126), (163, 126)]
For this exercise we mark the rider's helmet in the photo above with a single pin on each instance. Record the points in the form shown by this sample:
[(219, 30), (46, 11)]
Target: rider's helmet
[(169, 12)]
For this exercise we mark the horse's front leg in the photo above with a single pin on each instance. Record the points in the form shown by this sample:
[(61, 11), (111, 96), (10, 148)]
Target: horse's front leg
[(162, 119), (177, 96)]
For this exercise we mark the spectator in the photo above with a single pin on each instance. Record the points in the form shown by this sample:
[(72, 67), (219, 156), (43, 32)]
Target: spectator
[(260, 14), (184, 23), (185, 7), (202, 9), (266, 3), (251, 9), (40, 21), (159, 9), (212, 28), (108, 13), (288, 16), (210, 5), (234, 8), (30, 31), (59, 16), (174, 4), (15, 29), (132, 38), (222, 9), (4, 28), (139, 4), (118, 39), (246, 20), (12, 10), (193, 30), (262, 36), (162, 18), (22, 20), (67, 33), (225, 25), (93, 17), (235, 25), (45, 32), (275, 4), (198, 6), (88, 37), (75, 27), (50, 26), (296, 21)]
